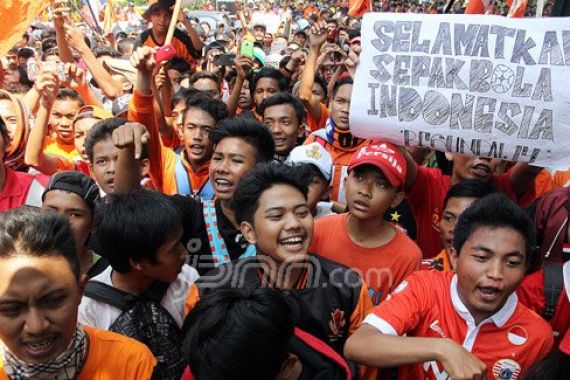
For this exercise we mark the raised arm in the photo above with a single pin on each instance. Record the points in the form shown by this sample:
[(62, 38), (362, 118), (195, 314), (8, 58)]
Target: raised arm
[(317, 38), (111, 88), (47, 85), (61, 16), (243, 66)]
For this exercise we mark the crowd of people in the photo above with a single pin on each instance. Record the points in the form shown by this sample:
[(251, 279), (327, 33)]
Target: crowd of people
[(198, 208)]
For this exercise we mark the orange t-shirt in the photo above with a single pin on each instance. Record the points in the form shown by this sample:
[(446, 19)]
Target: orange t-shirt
[(383, 267), (440, 262), (314, 124), (65, 151), (427, 305), (546, 181), (113, 357), (162, 159), (63, 164)]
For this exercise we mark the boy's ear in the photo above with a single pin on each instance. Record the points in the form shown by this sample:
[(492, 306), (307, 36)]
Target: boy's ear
[(453, 257), (248, 232), (397, 199), (145, 167), (449, 156), (82, 283), (138, 265), (327, 194), (290, 368)]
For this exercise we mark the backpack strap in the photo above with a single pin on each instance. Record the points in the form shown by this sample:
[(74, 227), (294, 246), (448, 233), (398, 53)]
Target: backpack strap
[(323, 349), (181, 176), (157, 291), (218, 248), (110, 295), (553, 286), (207, 191)]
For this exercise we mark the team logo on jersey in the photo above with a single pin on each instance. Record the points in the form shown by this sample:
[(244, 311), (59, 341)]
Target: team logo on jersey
[(517, 335), (506, 369), (337, 322)]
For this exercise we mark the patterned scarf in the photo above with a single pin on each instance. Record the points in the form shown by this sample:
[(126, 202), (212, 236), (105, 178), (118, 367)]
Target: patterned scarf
[(65, 367), (341, 139)]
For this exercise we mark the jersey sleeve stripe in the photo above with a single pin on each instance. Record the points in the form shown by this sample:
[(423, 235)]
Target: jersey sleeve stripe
[(380, 324)]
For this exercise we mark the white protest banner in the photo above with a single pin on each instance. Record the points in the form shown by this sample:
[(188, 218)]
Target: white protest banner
[(482, 85)]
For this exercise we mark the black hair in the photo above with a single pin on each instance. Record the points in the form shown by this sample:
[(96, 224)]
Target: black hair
[(48, 33), (33, 232), (240, 333), (494, 211), (132, 226), (105, 51), (284, 98), (332, 21), (269, 72), (102, 130), (249, 130), (321, 82), (51, 50), (263, 177), (470, 188), (204, 75), (178, 64), (4, 132), (555, 366), (69, 94), (183, 94), (341, 82), (216, 108)]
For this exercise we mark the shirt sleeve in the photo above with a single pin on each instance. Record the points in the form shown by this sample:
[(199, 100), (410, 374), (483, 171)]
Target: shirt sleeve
[(403, 308)]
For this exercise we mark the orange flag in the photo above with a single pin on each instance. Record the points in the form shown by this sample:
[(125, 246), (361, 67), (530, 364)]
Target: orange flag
[(517, 8), (21, 14), (359, 7)]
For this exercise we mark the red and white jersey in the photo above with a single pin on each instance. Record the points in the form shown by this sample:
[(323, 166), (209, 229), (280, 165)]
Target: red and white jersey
[(427, 304)]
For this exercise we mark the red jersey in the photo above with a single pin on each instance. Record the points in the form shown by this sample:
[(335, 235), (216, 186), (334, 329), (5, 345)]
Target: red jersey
[(427, 305), (426, 198), (21, 189), (531, 294), (383, 267)]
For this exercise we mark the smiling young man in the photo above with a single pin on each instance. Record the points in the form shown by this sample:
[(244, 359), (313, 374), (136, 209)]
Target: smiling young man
[(468, 324), (284, 115), (40, 291), (270, 204), (211, 233)]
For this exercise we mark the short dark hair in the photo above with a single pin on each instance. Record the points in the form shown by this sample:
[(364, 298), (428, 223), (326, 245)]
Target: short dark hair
[(49, 47), (69, 94), (321, 82), (105, 51), (183, 94), (240, 333), (263, 177), (216, 108), (204, 75), (178, 64), (494, 211), (284, 98), (341, 82), (269, 72), (470, 188), (132, 226), (33, 232), (249, 130), (101, 130)]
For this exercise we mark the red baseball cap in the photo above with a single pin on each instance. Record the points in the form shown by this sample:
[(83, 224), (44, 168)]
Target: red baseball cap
[(384, 156)]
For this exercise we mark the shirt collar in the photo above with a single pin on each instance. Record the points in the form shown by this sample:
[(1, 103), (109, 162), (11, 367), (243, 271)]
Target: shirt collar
[(499, 318)]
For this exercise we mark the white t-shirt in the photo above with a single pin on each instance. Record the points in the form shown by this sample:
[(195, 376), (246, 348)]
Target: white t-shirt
[(101, 315)]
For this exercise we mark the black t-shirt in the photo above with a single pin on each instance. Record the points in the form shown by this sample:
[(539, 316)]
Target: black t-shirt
[(195, 236)]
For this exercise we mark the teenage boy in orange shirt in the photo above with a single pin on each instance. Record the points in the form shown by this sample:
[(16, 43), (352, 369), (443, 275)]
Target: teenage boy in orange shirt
[(363, 239)]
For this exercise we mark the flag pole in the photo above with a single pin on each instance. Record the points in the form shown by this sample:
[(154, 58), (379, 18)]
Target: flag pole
[(173, 22)]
